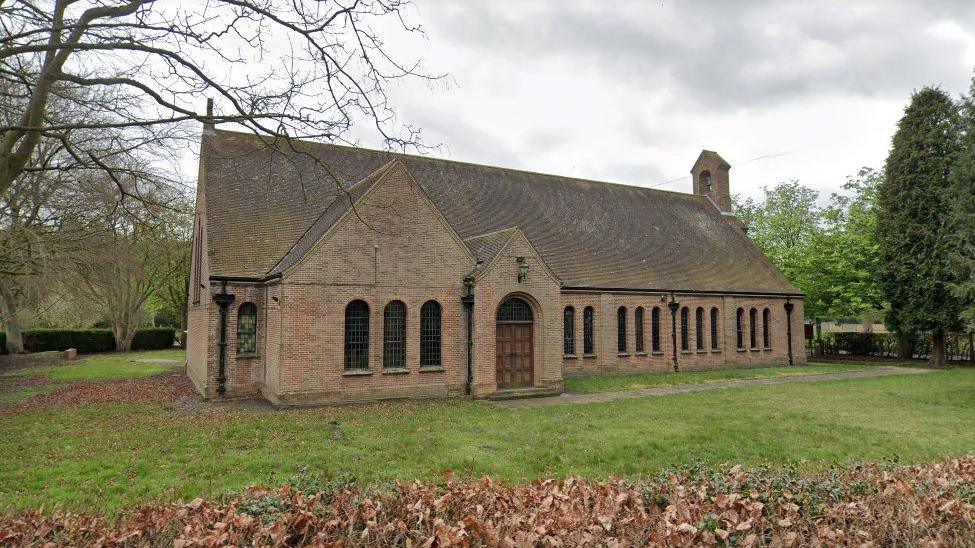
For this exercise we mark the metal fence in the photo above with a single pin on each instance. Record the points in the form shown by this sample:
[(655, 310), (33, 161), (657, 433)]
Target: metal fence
[(958, 346)]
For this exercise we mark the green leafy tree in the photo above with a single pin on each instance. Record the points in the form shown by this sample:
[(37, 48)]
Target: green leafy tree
[(963, 211), (913, 231)]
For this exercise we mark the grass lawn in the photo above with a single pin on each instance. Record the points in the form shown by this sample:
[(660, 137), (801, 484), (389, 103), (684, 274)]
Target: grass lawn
[(616, 383), (97, 368), (113, 456)]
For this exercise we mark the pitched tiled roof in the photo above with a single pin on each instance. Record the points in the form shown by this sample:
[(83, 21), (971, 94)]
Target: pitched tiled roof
[(261, 202)]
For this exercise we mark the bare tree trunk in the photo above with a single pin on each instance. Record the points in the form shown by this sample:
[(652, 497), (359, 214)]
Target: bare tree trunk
[(905, 347), (938, 349), (12, 319)]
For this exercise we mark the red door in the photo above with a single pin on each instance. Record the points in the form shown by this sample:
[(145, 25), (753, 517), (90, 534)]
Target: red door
[(515, 367)]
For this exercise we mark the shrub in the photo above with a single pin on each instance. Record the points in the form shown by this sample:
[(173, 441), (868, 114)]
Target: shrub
[(85, 340), (154, 338), (88, 341)]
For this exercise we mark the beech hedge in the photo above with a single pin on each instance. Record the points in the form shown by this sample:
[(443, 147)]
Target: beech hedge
[(88, 341)]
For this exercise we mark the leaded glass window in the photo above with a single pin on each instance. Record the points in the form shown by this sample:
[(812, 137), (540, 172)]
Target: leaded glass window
[(766, 335), (247, 329), (621, 329), (430, 335), (751, 328), (699, 329), (515, 310), (740, 328), (588, 337), (394, 335), (714, 328), (655, 329), (357, 335), (568, 331), (684, 335), (638, 328)]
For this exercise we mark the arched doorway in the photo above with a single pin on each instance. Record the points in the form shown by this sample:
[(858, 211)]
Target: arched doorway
[(514, 346)]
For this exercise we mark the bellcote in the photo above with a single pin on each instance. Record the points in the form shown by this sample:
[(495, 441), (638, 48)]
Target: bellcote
[(710, 178)]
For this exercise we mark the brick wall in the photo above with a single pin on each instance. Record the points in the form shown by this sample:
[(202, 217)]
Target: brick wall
[(393, 246), (608, 358)]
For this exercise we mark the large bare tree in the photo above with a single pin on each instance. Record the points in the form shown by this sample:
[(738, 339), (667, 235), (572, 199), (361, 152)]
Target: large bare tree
[(289, 68)]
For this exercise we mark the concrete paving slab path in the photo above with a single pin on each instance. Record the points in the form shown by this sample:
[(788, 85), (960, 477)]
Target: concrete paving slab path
[(570, 398)]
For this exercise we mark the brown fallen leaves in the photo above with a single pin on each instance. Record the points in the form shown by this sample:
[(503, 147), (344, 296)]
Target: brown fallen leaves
[(164, 387), (863, 505)]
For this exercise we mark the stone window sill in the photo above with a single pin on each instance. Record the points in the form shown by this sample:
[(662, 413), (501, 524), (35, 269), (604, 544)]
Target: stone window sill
[(356, 372), (569, 356), (702, 351), (754, 349), (686, 352), (641, 353), (248, 355), (742, 350), (431, 368), (622, 354), (658, 353), (588, 356), (716, 350), (395, 370), (768, 348)]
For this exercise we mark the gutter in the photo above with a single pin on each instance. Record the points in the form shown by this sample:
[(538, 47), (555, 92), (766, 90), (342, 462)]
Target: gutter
[(679, 291)]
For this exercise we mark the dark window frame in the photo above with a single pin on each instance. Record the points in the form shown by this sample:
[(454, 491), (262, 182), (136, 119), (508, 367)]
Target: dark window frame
[(198, 266), (247, 330), (431, 319), (638, 320), (356, 342), (568, 331), (621, 329), (588, 331), (394, 335)]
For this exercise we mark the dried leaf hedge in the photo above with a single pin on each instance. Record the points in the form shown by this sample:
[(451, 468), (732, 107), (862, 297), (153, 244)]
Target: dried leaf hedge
[(862, 505)]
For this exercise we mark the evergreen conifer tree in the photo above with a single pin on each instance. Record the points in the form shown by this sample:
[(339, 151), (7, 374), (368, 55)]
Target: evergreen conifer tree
[(913, 223), (963, 211)]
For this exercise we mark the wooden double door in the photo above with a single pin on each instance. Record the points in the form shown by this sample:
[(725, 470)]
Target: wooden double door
[(515, 355)]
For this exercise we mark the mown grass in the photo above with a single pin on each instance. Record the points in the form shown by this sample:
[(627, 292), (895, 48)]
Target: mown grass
[(104, 367), (112, 456), (616, 383)]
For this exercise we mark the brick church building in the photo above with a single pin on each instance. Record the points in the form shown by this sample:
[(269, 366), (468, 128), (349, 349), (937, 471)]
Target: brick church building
[(326, 274)]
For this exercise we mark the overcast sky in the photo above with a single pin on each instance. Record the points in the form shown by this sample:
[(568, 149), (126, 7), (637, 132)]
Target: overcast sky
[(630, 92)]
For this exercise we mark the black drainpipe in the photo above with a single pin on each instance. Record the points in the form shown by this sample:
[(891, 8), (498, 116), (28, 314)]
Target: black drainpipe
[(788, 318), (674, 305), (223, 300), (468, 300)]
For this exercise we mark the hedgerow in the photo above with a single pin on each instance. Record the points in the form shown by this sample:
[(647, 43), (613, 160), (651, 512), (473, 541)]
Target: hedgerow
[(862, 505)]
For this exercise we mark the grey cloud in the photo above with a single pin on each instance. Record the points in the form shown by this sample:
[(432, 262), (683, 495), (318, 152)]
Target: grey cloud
[(723, 54)]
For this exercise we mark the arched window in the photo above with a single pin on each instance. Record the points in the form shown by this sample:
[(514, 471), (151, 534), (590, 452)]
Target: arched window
[(684, 342), (740, 328), (714, 328), (569, 331), (430, 334), (247, 329), (588, 338), (394, 335), (751, 328), (638, 328), (357, 335), (706, 180), (655, 329), (766, 335), (621, 329), (699, 328)]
